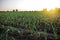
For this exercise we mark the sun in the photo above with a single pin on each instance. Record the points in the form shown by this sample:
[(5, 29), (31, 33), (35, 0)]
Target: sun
[(50, 4), (50, 8)]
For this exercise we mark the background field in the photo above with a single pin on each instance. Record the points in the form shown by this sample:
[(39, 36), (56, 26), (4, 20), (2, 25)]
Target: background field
[(29, 25)]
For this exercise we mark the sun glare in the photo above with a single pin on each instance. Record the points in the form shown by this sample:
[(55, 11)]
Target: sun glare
[(38, 4), (50, 4)]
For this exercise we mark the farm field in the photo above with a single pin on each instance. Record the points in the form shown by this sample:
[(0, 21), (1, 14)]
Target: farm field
[(29, 25)]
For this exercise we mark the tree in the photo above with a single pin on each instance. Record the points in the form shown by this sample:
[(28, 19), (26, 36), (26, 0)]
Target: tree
[(16, 10), (13, 10), (45, 10)]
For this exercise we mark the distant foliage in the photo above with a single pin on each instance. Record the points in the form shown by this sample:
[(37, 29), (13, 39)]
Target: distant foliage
[(13, 10), (16, 10)]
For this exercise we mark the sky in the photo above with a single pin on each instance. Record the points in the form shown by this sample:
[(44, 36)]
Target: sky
[(28, 4)]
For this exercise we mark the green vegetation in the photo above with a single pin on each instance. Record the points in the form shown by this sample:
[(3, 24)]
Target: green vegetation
[(29, 25)]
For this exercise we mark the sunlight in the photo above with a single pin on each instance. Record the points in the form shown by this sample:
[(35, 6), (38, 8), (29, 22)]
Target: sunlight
[(38, 4), (49, 8)]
